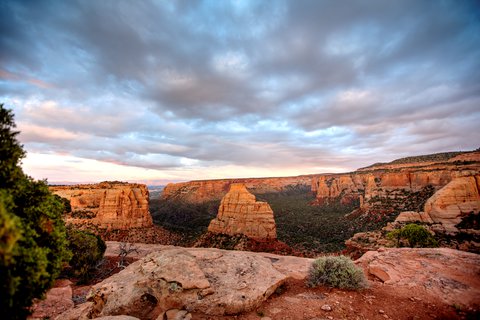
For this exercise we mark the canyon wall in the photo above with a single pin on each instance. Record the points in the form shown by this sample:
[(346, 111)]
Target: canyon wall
[(107, 205), (387, 187), (206, 190), (398, 187), (457, 199), (240, 213)]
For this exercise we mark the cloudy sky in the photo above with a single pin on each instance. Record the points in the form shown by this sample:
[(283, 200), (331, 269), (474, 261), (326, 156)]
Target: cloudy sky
[(161, 91)]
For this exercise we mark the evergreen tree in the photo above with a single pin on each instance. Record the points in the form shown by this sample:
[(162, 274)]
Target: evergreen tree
[(33, 246)]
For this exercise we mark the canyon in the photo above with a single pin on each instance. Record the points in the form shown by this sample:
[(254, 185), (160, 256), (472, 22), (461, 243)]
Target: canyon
[(107, 205), (384, 188)]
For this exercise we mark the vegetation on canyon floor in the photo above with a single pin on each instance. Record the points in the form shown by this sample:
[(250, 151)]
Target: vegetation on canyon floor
[(305, 227)]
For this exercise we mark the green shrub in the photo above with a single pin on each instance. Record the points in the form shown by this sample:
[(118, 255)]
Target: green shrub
[(336, 271), (87, 250), (415, 235), (33, 246)]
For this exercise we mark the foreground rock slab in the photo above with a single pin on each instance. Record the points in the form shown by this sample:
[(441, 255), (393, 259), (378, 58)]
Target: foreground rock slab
[(451, 275), (212, 282)]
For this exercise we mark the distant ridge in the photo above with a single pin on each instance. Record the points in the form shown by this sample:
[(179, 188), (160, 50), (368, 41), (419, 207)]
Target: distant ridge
[(434, 157)]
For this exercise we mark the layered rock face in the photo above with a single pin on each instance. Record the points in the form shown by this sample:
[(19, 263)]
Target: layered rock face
[(206, 190), (107, 205), (398, 187), (457, 199), (240, 213)]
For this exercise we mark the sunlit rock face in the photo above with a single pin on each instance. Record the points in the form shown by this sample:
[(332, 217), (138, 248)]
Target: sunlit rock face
[(457, 199), (394, 187), (107, 205), (240, 213)]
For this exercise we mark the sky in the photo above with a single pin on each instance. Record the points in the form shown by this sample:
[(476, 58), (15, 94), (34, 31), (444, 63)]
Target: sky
[(164, 91)]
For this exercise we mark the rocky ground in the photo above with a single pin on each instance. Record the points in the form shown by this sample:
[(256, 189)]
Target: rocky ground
[(404, 284)]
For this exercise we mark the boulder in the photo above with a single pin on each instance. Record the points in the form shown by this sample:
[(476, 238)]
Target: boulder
[(212, 282), (413, 216), (240, 213), (451, 275)]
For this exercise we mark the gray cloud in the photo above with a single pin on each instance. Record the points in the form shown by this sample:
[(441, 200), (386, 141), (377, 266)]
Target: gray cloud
[(266, 84)]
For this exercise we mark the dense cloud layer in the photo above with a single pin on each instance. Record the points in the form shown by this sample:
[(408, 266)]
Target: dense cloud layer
[(277, 85)]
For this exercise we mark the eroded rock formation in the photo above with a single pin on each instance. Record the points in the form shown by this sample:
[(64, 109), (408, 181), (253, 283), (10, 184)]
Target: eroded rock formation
[(457, 199), (240, 213), (107, 205), (395, 187), (206, 190)]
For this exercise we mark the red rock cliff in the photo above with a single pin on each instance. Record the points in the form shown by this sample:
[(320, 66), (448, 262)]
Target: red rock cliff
[(107, 205), (240, 213), (457, 199), (399, 187), (383, 187), (205, 190)]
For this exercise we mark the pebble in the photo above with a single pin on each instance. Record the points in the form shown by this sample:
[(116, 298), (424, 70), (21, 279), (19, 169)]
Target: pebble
[(276, 310), (381, 311), (326, 307), (330, 318)]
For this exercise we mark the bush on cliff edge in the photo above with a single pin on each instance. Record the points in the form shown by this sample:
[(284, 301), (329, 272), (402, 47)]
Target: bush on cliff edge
[(414, 235), (33, 246), (87, 250), (337, 272)]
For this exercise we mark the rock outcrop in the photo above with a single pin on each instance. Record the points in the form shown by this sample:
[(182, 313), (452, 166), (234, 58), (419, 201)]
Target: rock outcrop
[(395, 187), (443, 212), (240, 213), (457, 199), (452, 275), (107, 205), (206, 281), (211, 282)]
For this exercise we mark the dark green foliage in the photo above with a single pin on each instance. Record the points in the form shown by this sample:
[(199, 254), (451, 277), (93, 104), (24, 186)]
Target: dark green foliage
[(337, 272), (415, 236), (87, 250), (188, 219), (67, 207), (31, 225), (470, 221), (317, 228), (301, 225)]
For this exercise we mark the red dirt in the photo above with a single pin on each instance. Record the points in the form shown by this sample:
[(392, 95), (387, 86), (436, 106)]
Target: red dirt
[(297, 302)]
